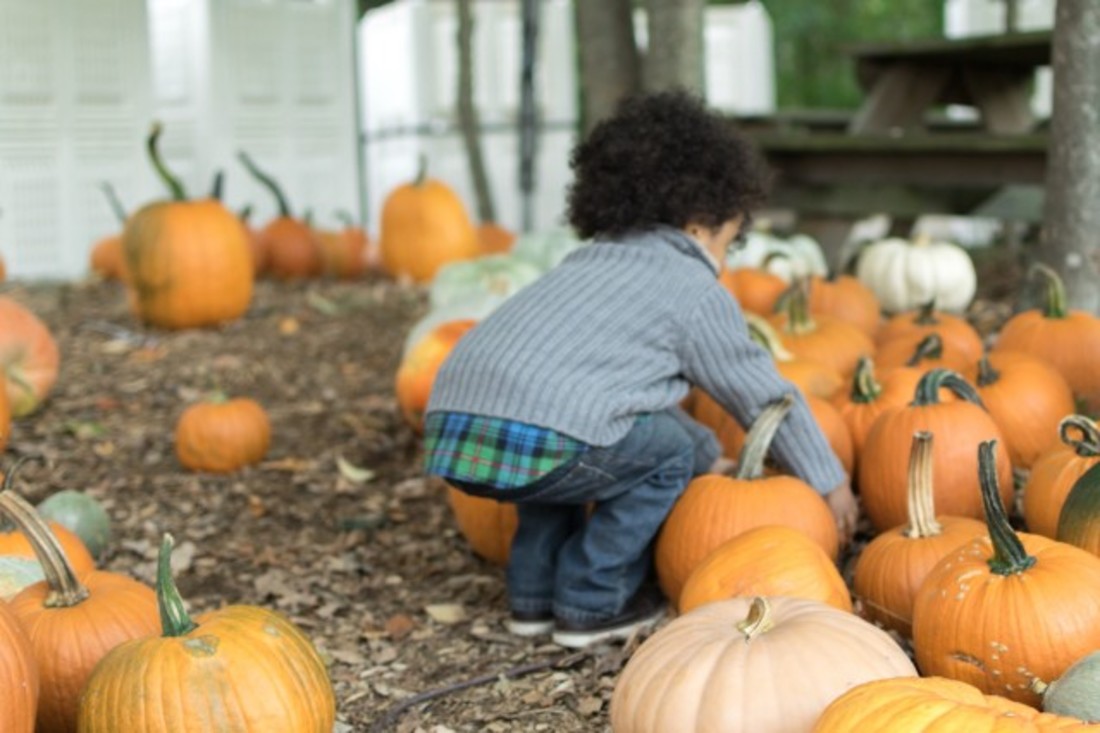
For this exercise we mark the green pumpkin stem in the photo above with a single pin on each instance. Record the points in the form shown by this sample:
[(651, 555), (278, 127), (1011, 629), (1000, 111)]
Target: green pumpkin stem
[(217, 186), (65, 589), (750, 464), (987, 375), (930, 347), (921, 494), (865, 388), (762, 333), (1055, 306), (113, 201), (421, 170), (759, 621), (929, 386), (175, 187), (245, 213), (344, 217), (1009, 555), (266, 181), (174, 620), (797, 307), (1088, 445), (926, 314)]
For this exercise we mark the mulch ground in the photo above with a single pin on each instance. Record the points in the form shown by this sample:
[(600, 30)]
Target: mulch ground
[(336, 528)]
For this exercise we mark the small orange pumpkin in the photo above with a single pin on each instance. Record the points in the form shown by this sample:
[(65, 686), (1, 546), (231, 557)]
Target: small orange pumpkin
[(417, 371), (847, 299), (812, 377), (869, 398), (222, 435), (107, 259), (29, 357), (494, 239), (923, 353), (714, 509), (290, 245), (821, 338), (755, 289), (957, 334), (1054, 473), (488, 525), (344, 253), (16, 544)]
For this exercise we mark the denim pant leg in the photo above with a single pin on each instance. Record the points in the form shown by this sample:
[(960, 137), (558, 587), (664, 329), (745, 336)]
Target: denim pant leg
[(533, 560), (707, 446)]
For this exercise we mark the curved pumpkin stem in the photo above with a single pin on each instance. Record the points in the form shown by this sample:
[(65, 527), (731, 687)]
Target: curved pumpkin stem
[(217, 185), (926, 314), (1088, 445), (65, 589), (759, 621), (921, 501), (266, 181), (1056, 291), (245, 213), (987, 375), (421, 170), (930, 347), (175, 187), (764, 334), (113, 201), (929, 386), (174, 620), (750, 464), (1009, 555), (797, 307), (865, 388)]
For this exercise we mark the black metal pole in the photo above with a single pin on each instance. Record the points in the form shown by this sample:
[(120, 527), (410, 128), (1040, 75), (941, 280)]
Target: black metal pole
[(528, 114)]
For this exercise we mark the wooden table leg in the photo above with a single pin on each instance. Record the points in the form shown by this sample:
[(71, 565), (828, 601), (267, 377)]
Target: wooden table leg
[(1003, 98), (900, 95)]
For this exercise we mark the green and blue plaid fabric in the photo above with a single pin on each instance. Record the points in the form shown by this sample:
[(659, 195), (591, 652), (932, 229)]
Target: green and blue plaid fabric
[(493, 451)]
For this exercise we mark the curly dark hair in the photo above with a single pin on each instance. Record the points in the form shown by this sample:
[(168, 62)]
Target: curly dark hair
[(663, 158)]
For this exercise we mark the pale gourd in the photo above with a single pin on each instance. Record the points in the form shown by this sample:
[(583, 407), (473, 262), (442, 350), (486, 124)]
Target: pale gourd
[(797, 256), (905, 275)]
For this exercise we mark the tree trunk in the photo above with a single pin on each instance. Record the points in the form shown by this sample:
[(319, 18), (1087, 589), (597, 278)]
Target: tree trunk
[(608, 57), (675, 54), (1071, 215), (467, 113)]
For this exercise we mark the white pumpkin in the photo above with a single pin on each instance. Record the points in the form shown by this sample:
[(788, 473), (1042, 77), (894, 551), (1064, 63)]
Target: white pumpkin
[(905, 275), (547, 248), (798, 256), (492, 275)]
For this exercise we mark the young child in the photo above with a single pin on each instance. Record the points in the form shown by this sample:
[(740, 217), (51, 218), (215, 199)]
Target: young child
[(567, 395)]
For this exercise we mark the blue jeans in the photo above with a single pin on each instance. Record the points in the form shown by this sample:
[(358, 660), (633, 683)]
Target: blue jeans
[(588, 570)]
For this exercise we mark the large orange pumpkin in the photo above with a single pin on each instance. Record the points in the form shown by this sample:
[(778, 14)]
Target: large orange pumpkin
[(488, 525), (417, 371), (1007, 609), (71, 622), (222, 435), (344, 253), (425, 226), (1027, 398), (821, 338), (959, 427), (1055, 471), (957, 334), (923, 353), (18, 676), (812, 377), (1067, 339), (869, 398), (847, 299), (766, 561), (189, 261), (714, 509), (28, 356), (240, 668), (755, 289), (892, 567)]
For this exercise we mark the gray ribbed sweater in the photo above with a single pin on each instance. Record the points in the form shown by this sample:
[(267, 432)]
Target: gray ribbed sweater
[(618, 329)]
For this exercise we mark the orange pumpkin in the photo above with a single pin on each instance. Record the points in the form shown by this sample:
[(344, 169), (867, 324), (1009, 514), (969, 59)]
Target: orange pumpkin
[(813, 378), (1004, 610), (5, 414), (425, 226), (344, 253), (846, 299), (15, 544), (222, 435), (756, 289), (957, 334), (28, 356), (1027, 398), (1056, 471), (189, 261), (869, 398), (18, 676), (1069, 340), (766, 561), (257, 245), (920, 704), (417, 371), (107, 259), (488, 525), (714, 509), (239, 668), (820, 338), (290, 244), (892, 567), (71, 622), (958, 426), (494, 239), (923, 353)]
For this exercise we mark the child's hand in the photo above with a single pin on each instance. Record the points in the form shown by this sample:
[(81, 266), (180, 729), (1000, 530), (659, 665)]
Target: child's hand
[(846, 511)]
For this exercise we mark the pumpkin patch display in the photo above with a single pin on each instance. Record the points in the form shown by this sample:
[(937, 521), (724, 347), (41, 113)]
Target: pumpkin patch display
[(425, 226), (18, 676), (71, 621), (957, 333), (1055, 472), (28, 356), (1067, 339), (1007, 609), (222, 435), (905, 275), (959, 426), (189, 261), (290, 246), (488, 525), (747, 665), (714, 508), (239, 669), (892, 567), (417, 371)]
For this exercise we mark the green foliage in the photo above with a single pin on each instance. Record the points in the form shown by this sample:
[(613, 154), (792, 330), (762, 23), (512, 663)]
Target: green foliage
[(811, 37)]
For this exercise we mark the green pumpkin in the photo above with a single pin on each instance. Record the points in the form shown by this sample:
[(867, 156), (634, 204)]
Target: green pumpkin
[(1077, 692), (16, 573), (81, 514)]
